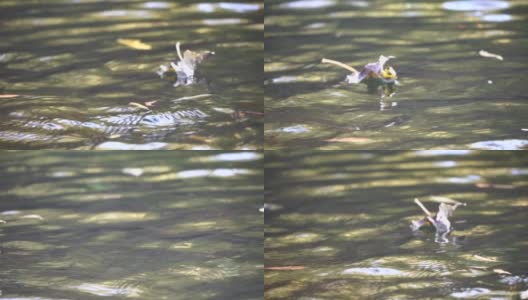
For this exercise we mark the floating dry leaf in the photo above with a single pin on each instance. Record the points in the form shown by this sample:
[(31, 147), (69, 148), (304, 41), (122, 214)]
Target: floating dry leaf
[(8, 96), (352, 140), (139, 105), (441, 220), (485, 53), (186, 67), (135, 44), (501, 272), (370, 70)]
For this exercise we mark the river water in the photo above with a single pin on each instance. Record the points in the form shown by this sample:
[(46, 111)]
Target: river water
[(337, 225), (67, 81), (170, 225), (449, 97)]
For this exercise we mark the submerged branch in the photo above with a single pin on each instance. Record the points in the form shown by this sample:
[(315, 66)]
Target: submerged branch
[(339, 64)]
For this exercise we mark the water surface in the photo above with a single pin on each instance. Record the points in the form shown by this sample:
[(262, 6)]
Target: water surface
[(337, 223), (450, 96), (128, 226), (66, 81)]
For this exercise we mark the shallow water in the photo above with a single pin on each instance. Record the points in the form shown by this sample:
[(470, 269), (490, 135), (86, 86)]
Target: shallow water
[(115, 226), (71, 82), (450, 97), (338, 222)]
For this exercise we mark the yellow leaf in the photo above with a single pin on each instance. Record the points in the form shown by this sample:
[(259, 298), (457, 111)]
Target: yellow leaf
[(136, 44)]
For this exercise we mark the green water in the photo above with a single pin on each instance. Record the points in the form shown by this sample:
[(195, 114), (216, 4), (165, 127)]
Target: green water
[(342, 219), (450, 97), (169, 225), (74, 81)]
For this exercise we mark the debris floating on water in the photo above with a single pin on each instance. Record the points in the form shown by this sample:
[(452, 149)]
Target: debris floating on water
[(374, 70), (440, 220), (185, 68), (485, 53)]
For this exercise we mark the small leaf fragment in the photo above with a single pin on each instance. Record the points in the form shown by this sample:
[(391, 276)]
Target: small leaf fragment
[(485, 53), (135, 44)]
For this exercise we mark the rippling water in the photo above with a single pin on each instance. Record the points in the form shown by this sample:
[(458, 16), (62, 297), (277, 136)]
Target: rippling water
[(450, 96), (66, 82), (170, 225), (337, 223)]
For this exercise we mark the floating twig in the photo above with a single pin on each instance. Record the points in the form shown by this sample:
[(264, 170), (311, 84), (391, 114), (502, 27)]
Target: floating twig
[(339, 64), (178, 50), (426, 211)]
